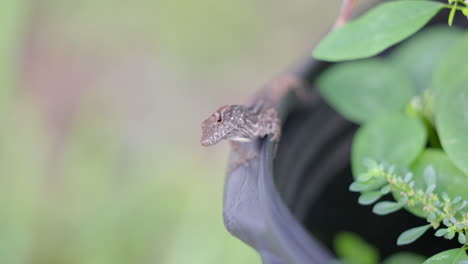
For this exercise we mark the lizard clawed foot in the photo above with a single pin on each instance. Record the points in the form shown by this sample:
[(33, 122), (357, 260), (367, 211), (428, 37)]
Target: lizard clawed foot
[(244, 161), (243, 158)]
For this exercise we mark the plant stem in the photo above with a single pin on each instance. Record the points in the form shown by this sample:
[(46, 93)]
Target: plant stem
[(427, 200), (347, 7), (459, 8), (462, 2)]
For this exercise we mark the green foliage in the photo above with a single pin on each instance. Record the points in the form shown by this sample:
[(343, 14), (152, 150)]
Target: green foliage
[(453, 68), (452, 256), (455, 7), (386, 207), (452, 124), (428, 74), (450, 179), (390, 137), (394, 138), (369, 197), (444, 210), (378, 29), (413, 59), (365, 89), (404, 258), (372, 184), (452, 13), (410, 235), (352, 249)]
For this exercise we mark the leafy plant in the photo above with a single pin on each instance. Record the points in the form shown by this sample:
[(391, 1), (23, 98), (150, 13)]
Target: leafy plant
[(453, 256), (413, 107), (382, 27), (352, 249), (377, 30), (438, 210)]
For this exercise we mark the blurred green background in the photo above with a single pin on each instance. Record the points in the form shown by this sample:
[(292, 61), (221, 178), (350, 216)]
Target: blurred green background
[(101, 103)]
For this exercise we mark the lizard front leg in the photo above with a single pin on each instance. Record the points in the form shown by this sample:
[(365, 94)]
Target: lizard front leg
[(242, 157), (270, 124)]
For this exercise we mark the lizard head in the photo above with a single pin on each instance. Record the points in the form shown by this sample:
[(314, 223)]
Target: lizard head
[(222, 124)]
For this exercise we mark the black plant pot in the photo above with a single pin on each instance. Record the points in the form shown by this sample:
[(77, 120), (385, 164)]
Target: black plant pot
[(290, 207)]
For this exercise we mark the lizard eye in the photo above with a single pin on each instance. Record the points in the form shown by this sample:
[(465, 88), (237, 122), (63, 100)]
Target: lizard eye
[(220, 119)]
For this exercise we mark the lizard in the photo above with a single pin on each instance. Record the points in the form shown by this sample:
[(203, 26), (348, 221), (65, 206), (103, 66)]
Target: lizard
[(245, 123)]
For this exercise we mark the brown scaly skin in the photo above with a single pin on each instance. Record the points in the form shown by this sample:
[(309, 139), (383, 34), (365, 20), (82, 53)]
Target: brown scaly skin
[(240, 123)]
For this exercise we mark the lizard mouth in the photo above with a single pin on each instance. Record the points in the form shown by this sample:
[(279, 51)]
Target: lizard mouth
[(206, 142)]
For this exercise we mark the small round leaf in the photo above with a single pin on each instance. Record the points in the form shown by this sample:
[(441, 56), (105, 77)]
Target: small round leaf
[(404, 258), (452, 123), (441, 232), (452, 70), (395, 139), (370, 185), (369, 197), (429, 175), (354, 250), (452, 256), (449, 179), (386, 189), (386, 207), (461, 238), (362, 90), (412, 55)]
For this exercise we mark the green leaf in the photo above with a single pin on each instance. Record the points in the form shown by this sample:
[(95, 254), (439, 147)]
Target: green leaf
[(452, 13), (386, 207), (362, 90), (405, 258), (395, 139), (452, 70), (457, 199), (363, 177), (441, 232), (410, 235), (386, 189), (446, 222), (452, 256), (378, 29), (358, 186), (465, 11), (461, 238), (354, 250), (366, 186), (462, 205), (369, 197), (430, 188), (449, 178), (450, 234), (412, 55), (452, 123), (429, 175), (408, 177), (431, 217)]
